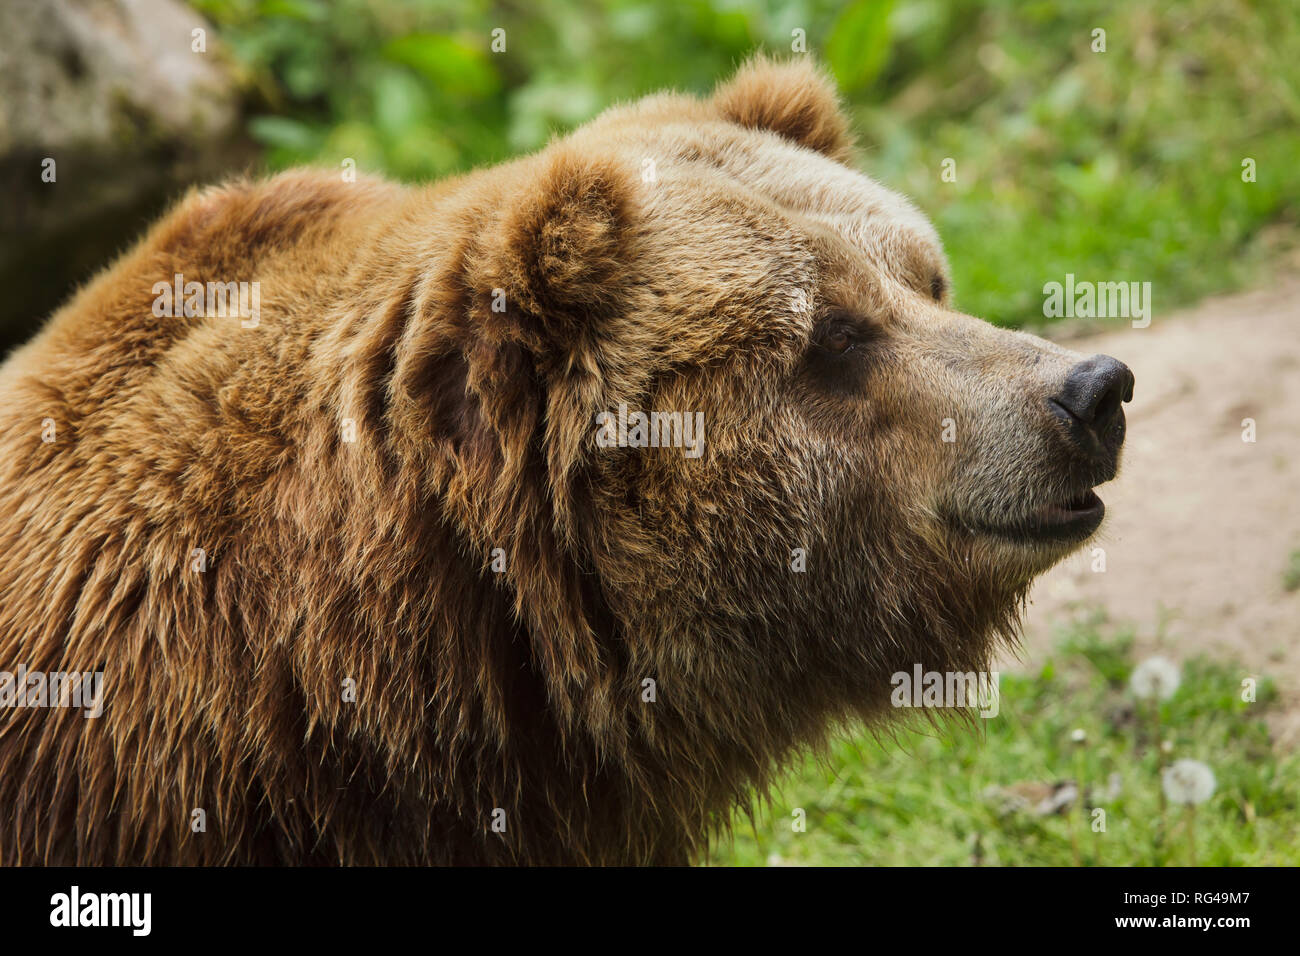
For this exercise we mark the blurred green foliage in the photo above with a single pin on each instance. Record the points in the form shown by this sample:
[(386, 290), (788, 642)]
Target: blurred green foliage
[(1116, 165)]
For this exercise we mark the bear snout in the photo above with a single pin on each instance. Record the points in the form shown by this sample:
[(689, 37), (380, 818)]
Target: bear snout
[(1090, 403)]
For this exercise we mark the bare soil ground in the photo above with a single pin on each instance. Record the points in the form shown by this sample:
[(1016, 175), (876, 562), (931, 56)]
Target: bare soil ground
[(1201, 524)]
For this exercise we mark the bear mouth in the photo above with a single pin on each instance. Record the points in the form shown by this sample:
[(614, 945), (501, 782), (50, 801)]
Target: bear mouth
[(1070, 520)]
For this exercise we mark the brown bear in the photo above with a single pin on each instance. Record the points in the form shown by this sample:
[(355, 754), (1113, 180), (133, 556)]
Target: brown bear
[(536, 516)]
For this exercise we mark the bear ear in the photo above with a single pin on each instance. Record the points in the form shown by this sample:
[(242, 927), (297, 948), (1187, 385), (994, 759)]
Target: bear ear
[(792, 98), (566, 255)]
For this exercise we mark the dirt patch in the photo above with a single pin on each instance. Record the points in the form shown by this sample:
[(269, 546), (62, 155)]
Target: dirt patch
[(1201, 523)]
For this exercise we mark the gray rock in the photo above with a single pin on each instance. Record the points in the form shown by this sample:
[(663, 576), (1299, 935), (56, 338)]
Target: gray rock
[(115, 94)]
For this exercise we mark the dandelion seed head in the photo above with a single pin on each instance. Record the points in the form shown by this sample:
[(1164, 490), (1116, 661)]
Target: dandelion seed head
[(1189, 781), (1156, 678)]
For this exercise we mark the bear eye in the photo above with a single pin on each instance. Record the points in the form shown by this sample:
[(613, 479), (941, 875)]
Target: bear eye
[(839, 356), (937, 288), (838, 341), (838, 333)]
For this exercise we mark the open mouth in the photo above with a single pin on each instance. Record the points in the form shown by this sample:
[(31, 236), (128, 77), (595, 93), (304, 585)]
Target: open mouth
[(1070, 520), (1079, 516)]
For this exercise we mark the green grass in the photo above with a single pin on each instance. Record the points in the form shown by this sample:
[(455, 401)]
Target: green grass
[(928, 799), (1291, 576)]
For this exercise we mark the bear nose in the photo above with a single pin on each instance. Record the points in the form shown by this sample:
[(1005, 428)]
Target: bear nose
[(1094, 390)]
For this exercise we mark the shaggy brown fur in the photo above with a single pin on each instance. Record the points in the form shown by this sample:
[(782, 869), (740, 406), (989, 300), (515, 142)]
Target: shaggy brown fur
[(709, 286)]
